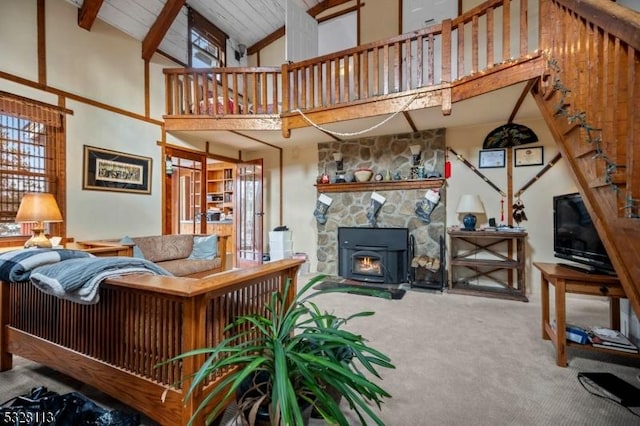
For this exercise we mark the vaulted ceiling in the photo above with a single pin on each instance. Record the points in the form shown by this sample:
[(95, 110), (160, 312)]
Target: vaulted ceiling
[(162, 25), (159, 24)]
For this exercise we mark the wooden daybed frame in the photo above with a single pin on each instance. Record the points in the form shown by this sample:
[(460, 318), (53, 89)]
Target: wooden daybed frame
[(140, 321)]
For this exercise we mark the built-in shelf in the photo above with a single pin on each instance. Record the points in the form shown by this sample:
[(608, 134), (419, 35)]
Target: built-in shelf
[(385, 185)]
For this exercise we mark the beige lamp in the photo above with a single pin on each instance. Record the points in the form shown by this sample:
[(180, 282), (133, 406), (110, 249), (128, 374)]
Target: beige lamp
[(468, 205), (38, 207)]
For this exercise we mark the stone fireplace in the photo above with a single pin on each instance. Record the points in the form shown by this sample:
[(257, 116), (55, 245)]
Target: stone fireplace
[(386, 155)]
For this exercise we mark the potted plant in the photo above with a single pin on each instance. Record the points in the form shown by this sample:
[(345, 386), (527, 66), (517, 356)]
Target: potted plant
[(290, 358)]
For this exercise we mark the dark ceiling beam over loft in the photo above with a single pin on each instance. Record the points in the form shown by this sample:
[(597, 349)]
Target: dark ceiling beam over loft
[(160, 27), (235, 132), (326, 4), (88, 13), (266, 41), (407, 117), (331, 135), (525, 91), (280, 32)]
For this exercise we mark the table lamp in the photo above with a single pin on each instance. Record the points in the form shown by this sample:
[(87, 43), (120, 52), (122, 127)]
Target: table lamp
[(38, 208), (468, 205)]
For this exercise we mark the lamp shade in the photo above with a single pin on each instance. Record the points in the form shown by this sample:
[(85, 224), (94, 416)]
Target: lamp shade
[(415, 149), (470, 204), (38, 207)]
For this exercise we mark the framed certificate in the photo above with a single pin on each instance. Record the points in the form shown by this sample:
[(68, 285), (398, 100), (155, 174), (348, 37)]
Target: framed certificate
[(492, 158), (528, 156)]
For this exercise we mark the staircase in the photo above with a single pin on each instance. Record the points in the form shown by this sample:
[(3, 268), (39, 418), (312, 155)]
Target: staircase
[(589, 96)]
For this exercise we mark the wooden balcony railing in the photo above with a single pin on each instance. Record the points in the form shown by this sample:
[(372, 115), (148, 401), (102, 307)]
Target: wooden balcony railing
[(428, 60), (430, 57), (223, 91)]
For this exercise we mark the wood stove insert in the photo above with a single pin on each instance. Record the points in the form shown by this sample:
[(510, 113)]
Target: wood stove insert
[(376, 255)]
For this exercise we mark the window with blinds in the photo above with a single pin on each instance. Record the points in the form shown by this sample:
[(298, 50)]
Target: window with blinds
[(207, 43), (31, 157)]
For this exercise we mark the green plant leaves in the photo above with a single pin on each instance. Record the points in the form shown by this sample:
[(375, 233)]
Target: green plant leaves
[(305, 353)]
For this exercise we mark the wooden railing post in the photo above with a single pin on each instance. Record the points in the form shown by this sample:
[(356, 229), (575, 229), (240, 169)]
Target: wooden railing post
[(446, 50), (286, 132)]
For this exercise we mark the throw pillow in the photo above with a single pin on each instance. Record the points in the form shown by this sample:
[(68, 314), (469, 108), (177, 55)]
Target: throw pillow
[(204, 248), (136, 250)]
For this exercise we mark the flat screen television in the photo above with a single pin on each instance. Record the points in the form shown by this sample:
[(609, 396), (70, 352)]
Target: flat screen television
[(575, 237)]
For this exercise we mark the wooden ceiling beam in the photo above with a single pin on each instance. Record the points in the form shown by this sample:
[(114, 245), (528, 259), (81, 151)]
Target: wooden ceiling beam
[(235, 132), (160, 27), (325, 5), (523, 95), (266, 41), (407, 117), (88, 13)]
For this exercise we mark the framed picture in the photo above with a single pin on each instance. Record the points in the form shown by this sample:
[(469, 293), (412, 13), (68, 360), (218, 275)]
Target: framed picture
[(492, 158), (532, 156), (106, 170)]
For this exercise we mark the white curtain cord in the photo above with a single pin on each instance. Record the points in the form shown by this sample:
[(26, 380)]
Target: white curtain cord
[(375, 126)]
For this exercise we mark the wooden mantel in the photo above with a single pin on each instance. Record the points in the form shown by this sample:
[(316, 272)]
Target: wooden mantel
[(385, 185)]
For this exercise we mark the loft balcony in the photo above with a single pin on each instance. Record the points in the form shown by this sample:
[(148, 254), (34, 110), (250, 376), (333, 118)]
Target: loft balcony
[(433, 67)]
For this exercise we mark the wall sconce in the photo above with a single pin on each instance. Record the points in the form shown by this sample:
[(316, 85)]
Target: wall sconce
[(38, 208), (468, 205), (338, 159), (415, 154), (242, 49), (168, 165)]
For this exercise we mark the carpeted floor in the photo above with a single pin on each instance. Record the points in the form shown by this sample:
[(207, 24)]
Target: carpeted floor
[(460, 360)]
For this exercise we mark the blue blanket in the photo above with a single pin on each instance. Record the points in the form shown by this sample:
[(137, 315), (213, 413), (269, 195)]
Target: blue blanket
[(78, 280), (16, 265)]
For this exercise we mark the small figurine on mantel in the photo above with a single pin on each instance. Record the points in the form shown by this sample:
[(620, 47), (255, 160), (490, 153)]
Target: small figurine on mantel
[(324, 178), (518, 212)]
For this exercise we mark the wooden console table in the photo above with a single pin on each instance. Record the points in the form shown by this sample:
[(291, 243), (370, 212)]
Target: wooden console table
[(502, 255), (568, 280)]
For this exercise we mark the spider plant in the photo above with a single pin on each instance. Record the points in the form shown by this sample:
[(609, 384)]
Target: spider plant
[(300, 354)]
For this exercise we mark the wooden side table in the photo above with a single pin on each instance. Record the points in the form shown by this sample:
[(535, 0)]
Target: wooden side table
[(567, 280), (502, 258)]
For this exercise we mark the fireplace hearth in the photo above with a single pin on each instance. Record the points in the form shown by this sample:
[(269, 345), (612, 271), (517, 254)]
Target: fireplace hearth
[(376, 255)]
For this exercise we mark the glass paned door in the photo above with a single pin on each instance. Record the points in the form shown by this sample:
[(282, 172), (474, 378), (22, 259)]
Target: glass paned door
[(187, 195), (248, 213)]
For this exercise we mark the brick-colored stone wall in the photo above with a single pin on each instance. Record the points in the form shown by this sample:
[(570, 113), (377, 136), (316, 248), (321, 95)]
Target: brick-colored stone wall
[(381, 153)]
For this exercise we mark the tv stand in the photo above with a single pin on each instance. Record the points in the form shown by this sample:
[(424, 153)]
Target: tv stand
[(587, 269), (567, 280)]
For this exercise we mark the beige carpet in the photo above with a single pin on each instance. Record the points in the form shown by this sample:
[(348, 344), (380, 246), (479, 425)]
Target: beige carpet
[(461, 360)]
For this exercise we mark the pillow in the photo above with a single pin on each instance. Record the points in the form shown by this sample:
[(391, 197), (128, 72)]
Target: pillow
[(136, 250), (204, 248)]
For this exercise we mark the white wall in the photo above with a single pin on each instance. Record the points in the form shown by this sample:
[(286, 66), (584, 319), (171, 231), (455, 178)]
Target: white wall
[(103, 66), (537, 198), (300, 169)]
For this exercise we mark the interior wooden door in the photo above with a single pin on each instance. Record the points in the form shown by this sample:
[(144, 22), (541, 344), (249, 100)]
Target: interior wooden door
[(248, 213), (185, 193)]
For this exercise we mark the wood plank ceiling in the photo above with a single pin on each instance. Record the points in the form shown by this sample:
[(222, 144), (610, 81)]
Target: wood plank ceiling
[(162, 23)]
